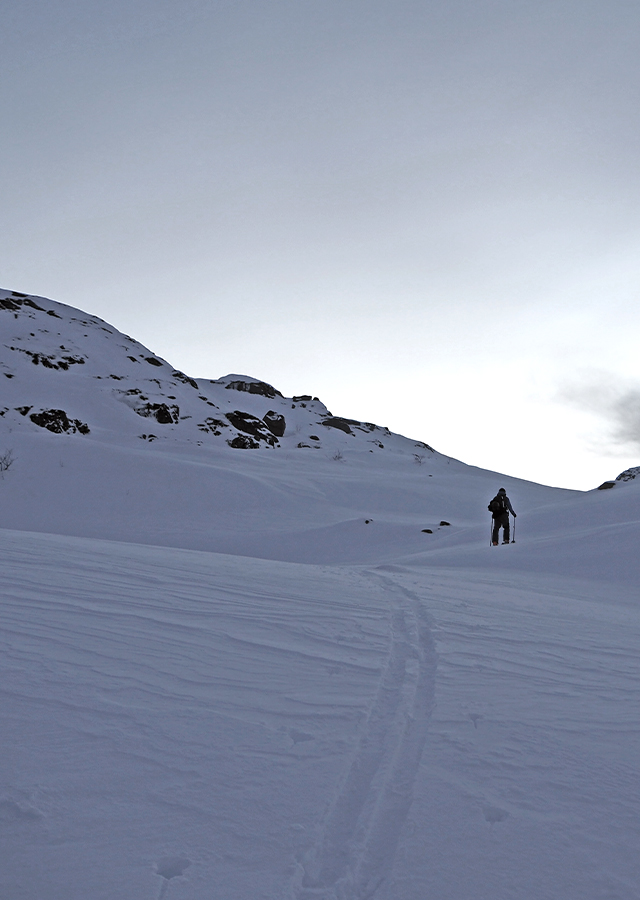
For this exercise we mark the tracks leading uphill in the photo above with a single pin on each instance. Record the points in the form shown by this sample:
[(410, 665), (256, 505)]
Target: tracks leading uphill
[(357, 841)]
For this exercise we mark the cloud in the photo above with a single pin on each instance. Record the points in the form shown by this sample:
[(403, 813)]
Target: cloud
[(603, 394)]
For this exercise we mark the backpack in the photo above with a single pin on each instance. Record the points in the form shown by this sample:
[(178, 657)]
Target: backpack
[(497, 505)]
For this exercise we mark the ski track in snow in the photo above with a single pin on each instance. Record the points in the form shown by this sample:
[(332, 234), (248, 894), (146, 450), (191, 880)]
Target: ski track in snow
[(190, 725), (216, 695), (356, 846)]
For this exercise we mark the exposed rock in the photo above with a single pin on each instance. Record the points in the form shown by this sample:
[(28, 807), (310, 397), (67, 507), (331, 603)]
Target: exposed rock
[(251, 425), (275, 423), (19, 301), (347, 424), (50, 360), (254, 387), (606, 485), (443, 523), (243, 442), (153, 361), (56, 420), (629, 474), (165, 415), (180, 376), (341, 424), (427, 531), (212, 426)]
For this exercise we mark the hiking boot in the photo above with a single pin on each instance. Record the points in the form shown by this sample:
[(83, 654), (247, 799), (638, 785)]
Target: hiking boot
[(495, 543), (506, 542)]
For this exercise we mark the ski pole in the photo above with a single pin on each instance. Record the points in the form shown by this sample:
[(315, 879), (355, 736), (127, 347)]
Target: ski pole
[(513, 540)]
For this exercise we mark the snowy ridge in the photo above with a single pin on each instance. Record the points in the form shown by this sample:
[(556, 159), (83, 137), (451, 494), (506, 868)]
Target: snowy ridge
[(70, 372)]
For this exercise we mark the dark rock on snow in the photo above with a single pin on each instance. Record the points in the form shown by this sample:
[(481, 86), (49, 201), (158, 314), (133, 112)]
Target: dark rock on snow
[(275, 423), (251, 425), (254, 387), (165, 415), (629, 474), (243, 442), (56, 420)]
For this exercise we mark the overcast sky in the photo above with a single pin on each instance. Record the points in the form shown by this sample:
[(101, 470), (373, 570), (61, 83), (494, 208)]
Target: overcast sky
[(425, 213)]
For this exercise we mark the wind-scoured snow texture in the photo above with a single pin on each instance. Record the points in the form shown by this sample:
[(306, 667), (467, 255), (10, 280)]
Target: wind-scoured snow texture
[(273, 725), (296, 673), (194, 706)]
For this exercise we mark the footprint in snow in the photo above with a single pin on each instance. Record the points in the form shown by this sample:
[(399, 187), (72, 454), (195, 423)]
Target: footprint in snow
[(170, 867), (494, 814)]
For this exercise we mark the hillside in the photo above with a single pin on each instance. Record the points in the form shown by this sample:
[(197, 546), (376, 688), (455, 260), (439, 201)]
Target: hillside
[(255, 651)]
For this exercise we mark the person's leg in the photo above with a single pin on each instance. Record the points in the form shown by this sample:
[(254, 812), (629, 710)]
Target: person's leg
[(496, 529), (506, 528)]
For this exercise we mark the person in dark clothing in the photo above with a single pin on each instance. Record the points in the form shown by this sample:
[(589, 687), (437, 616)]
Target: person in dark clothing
[(500, 507)]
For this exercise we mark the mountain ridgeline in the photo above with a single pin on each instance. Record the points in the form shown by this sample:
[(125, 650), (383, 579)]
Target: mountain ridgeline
[(69, 372)]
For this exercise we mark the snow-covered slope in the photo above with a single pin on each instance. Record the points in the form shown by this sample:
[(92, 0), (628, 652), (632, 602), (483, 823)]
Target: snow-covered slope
[(295, 672), (99, 381), (111, 441)]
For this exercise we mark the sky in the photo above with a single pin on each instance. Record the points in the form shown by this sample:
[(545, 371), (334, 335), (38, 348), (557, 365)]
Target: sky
[(425, 213)]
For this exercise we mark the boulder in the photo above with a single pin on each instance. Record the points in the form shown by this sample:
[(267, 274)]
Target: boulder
[(243, 442), (275, 422)]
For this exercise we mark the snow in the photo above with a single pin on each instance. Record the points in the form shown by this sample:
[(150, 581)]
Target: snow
[(250, 675)]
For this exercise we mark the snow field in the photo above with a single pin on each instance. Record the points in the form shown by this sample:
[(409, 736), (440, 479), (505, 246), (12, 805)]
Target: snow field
[(174, 705), (256, 729), (296, 673)]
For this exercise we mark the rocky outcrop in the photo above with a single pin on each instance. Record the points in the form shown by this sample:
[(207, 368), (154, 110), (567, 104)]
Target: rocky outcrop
[(347, 425), (180, 376), (254, 387), (340, 424), (17, 300), (50, 360), (251, 425), (629, 474), (275, 423), (243, 442), (56, 420), (212, 426), (161, 412)]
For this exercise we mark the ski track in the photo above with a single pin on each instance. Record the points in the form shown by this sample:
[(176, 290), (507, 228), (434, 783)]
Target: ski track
[(354, 852), (148, 674)]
